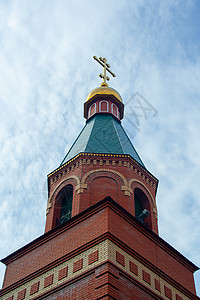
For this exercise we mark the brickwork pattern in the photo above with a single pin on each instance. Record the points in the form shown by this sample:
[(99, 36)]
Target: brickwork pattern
[(48, 280), (120, 160), (78, 265), (63, 273), (120, 258), (146, 277), (168, 292), (21, 294), (133, 268), (84, 168), (157, 285), (34, 288), (95, 256), (178, 297)]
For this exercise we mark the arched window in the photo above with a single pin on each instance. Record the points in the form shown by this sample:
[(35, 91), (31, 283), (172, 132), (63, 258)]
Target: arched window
[(115, 110), (63, 206), (142, 207), (92, 109), (138, 207), (103, 106)]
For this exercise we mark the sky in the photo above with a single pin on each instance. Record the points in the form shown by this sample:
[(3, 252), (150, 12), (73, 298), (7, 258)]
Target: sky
[(46, 72)]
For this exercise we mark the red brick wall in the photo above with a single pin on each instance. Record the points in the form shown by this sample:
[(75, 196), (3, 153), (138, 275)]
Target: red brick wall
[(101, 184), (94, 256), (78, 265), (81, 289), (130, 290), (120, 258), (34, 288), (63, 273), (150, 251), (89, 229), (53, 249), (102, 187), (105, 282), (48, 280)]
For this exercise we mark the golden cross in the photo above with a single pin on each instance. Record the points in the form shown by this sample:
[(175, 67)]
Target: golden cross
[(106, 66)]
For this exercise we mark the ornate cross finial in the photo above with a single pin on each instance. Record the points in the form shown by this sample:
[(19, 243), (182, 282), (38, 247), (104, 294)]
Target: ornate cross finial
[(106, 66)]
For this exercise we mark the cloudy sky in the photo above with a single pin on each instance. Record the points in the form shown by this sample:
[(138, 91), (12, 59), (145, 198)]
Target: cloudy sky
[(46, 72)]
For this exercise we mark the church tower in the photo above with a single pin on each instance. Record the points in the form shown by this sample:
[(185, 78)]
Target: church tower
[(101, 236), (101, 162)]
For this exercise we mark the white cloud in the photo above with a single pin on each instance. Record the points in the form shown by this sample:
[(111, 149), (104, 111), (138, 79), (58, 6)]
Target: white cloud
[(46, 72)]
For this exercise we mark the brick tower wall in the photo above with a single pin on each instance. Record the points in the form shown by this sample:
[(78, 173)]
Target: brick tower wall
[(74, 254), (95, 177)]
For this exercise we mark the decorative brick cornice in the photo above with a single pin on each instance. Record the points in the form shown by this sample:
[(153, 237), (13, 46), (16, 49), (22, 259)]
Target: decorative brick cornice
[(101, 252), (76, 161), (113, 160)]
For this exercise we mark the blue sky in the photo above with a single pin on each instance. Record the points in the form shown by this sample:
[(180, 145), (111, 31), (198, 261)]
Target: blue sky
[(46, 73)]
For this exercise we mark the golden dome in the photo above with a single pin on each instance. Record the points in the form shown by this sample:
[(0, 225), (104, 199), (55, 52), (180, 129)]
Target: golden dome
[(104, 89)]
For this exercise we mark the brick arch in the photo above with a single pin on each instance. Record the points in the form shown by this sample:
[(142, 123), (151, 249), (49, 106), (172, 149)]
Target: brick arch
[(100, 172), (104, 170), (59, 187), (146, 191)]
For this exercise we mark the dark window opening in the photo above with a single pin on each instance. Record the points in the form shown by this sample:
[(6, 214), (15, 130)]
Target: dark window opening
[(138, 209), (142, 207), (64, 204)]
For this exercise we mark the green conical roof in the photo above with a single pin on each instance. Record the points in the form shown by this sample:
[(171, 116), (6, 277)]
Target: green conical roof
[(103, 134)]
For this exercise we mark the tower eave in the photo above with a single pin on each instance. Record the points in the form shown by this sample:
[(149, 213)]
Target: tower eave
[(103, 156)]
